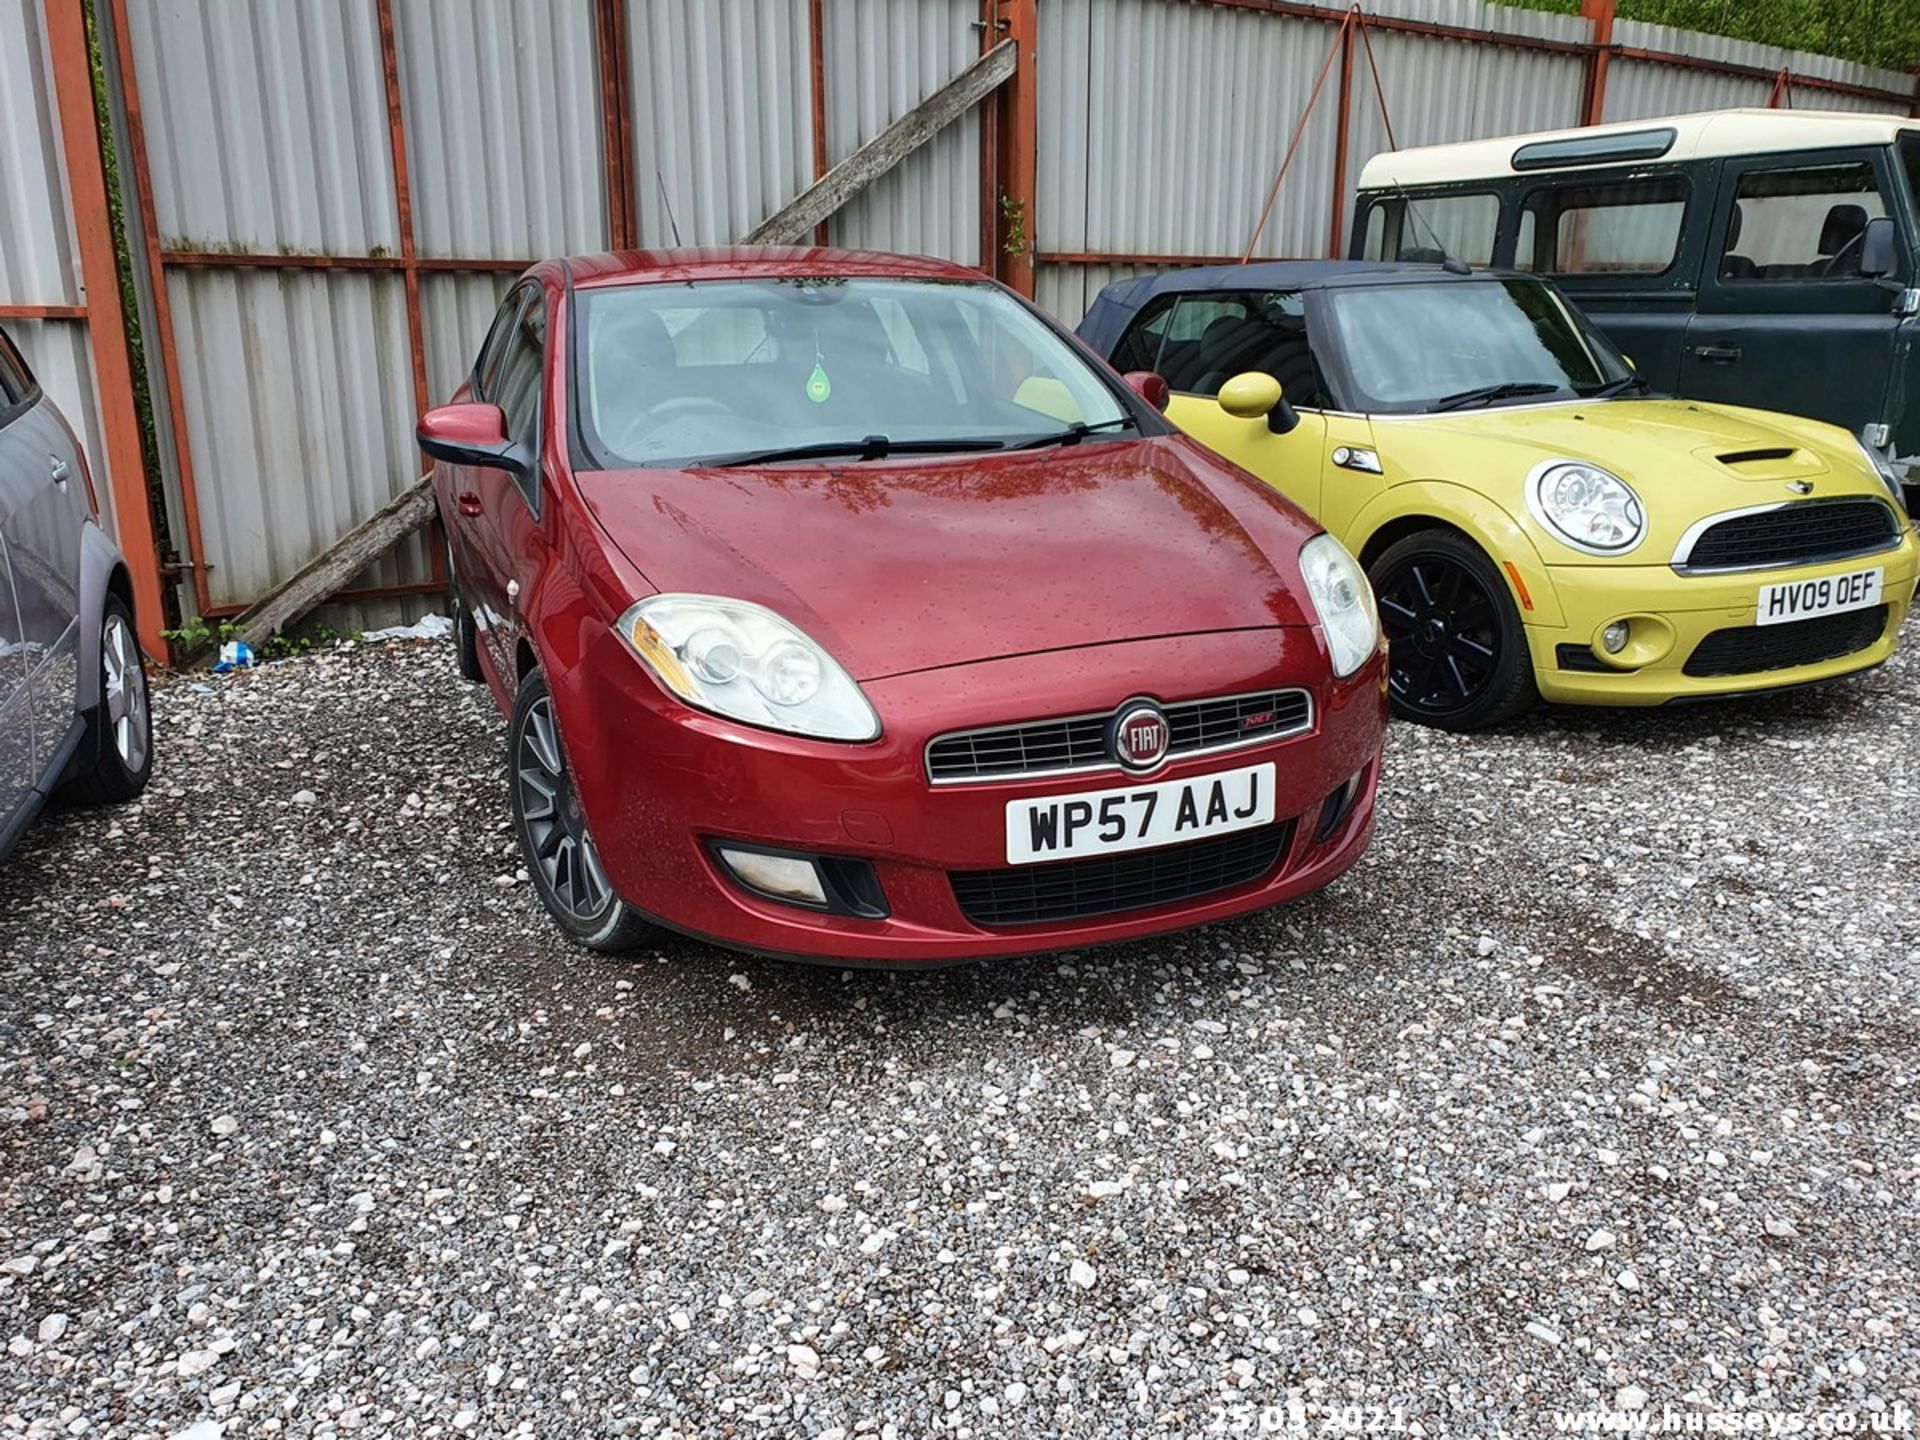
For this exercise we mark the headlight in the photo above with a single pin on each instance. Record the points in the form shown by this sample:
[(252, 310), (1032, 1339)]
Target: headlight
[(1885, 472), (1344, 601), (743, 661), (1589, 508)]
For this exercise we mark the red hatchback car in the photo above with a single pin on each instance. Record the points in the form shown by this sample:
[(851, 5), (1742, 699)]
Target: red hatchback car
[(845, 607)]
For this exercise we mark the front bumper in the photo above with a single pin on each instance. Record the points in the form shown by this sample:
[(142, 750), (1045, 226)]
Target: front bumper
[(661, 783), (1692, 608)]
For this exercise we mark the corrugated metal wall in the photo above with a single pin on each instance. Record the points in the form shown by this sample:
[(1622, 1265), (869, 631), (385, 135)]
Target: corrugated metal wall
[(1638, 88), (268, 135), (39, 261)]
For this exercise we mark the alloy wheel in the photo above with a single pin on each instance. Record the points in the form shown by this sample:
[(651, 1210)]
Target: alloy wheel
[(128, 714), (1443, 635), (556, 826)]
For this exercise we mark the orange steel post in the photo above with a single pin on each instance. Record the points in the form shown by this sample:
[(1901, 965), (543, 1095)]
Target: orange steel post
[(616, 124), (106, 323), (817, 47), (1782, 90), (1341, 132), (162, 306), (1019, 148), (990, 151), (1601, 13)]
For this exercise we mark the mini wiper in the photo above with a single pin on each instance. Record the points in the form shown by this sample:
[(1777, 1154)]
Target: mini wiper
[(873, 447), (1487, 394), (1614, 387), (1077, 431)]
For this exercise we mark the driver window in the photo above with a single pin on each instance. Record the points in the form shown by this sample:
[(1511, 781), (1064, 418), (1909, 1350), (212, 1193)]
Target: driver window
[(521, 371), (1801, 224), (486, 367), (1212, 338)]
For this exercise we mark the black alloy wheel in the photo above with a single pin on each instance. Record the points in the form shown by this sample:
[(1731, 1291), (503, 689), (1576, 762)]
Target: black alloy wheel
[(551, 825), (1456, 651)]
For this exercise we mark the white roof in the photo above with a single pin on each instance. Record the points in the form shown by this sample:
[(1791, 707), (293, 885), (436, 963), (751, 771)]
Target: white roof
[(1705, 135)]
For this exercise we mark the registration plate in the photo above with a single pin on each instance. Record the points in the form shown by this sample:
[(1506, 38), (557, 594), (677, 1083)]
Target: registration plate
[(1139, 817), (1829, 595)]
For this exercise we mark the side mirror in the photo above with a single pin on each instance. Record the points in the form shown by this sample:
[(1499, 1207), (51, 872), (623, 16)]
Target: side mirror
[(472, 434), (1253, 394), (1877, 256), (1149, 387)]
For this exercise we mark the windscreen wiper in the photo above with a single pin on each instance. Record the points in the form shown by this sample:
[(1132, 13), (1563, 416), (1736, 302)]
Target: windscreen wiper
[(1614, 387), (1078, 431), (873, 447), (1487, 394)]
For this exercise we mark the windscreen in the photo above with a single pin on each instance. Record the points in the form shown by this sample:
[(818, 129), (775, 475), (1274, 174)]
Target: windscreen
[(679, 375), (1422, 346)]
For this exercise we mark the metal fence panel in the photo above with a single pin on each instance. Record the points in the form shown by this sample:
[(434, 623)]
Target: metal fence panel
[(300, 413), (882, 58), (267, 126), (722, 124), (503, 127)]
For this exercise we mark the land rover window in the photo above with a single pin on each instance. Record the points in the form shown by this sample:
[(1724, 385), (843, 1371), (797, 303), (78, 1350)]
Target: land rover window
[(1627, 227), (1800, 224), (1426, 227)]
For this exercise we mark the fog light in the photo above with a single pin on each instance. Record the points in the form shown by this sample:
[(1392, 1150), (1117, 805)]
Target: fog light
[(784, 877), (1614, 638)]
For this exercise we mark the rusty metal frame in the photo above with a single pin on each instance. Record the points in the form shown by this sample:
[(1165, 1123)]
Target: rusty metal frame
[(817, 95), (101, 313), (616, 124), (1601, 13), (1016, 154)]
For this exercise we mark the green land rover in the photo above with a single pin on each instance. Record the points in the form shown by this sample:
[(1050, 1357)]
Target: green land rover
[(1768, 258)]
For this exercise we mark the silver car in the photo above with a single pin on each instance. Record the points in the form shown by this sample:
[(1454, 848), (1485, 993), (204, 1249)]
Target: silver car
[(74, 718)]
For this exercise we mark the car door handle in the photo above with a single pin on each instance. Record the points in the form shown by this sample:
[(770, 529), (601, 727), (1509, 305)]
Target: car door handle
[(61, 470), (468, 502), (1718, 354)]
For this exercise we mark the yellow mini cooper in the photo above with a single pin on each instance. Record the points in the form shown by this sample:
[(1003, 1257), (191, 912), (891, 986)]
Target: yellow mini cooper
[(1535, 524)]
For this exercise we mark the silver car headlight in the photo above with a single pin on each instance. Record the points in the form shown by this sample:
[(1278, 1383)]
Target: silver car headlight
[(1885, 472), (743, 661), (1343, 600), (1591, 509)]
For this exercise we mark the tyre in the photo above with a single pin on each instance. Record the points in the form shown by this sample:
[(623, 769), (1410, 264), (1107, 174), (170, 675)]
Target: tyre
[(466, 639), (552, 829), (120, 728), (1457, 653)]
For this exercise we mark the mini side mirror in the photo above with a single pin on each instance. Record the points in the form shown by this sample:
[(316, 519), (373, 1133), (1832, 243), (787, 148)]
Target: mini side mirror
[(1253, 394), (1149, 387), (472, 434), (1877, 257)]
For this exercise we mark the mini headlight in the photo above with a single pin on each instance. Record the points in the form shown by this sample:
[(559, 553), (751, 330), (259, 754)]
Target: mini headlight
[(1885, 472), (1591, 509), (743, 661), (1344, 601)]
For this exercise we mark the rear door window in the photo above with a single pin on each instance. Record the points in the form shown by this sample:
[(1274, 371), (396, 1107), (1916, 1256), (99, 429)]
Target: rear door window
[(1625, 227), (16, 383), (1430, 227), (1804, 223)]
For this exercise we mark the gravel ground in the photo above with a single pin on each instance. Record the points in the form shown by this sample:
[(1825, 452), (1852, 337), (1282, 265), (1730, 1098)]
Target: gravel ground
[(1593, 1085)]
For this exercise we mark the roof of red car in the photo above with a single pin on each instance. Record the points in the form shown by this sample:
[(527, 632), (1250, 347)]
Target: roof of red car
[(735, 262)]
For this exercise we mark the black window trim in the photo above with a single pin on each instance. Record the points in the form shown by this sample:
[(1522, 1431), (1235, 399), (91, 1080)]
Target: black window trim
[(1774, 162), (1594, 180), (12, 362)]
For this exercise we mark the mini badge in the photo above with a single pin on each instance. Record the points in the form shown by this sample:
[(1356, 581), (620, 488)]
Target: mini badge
[(819, 387)]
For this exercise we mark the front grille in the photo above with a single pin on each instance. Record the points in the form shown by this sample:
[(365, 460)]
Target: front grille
[(1793, 535), (1080, 742), (1109, 884), (1749, 649)]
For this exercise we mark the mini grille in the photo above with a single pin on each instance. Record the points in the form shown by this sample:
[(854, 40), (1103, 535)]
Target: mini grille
[(1794, 534), (1749, 649), (1109, 884), (1081, 742)]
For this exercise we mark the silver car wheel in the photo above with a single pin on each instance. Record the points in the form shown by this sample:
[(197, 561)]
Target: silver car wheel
[(126, 697)]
